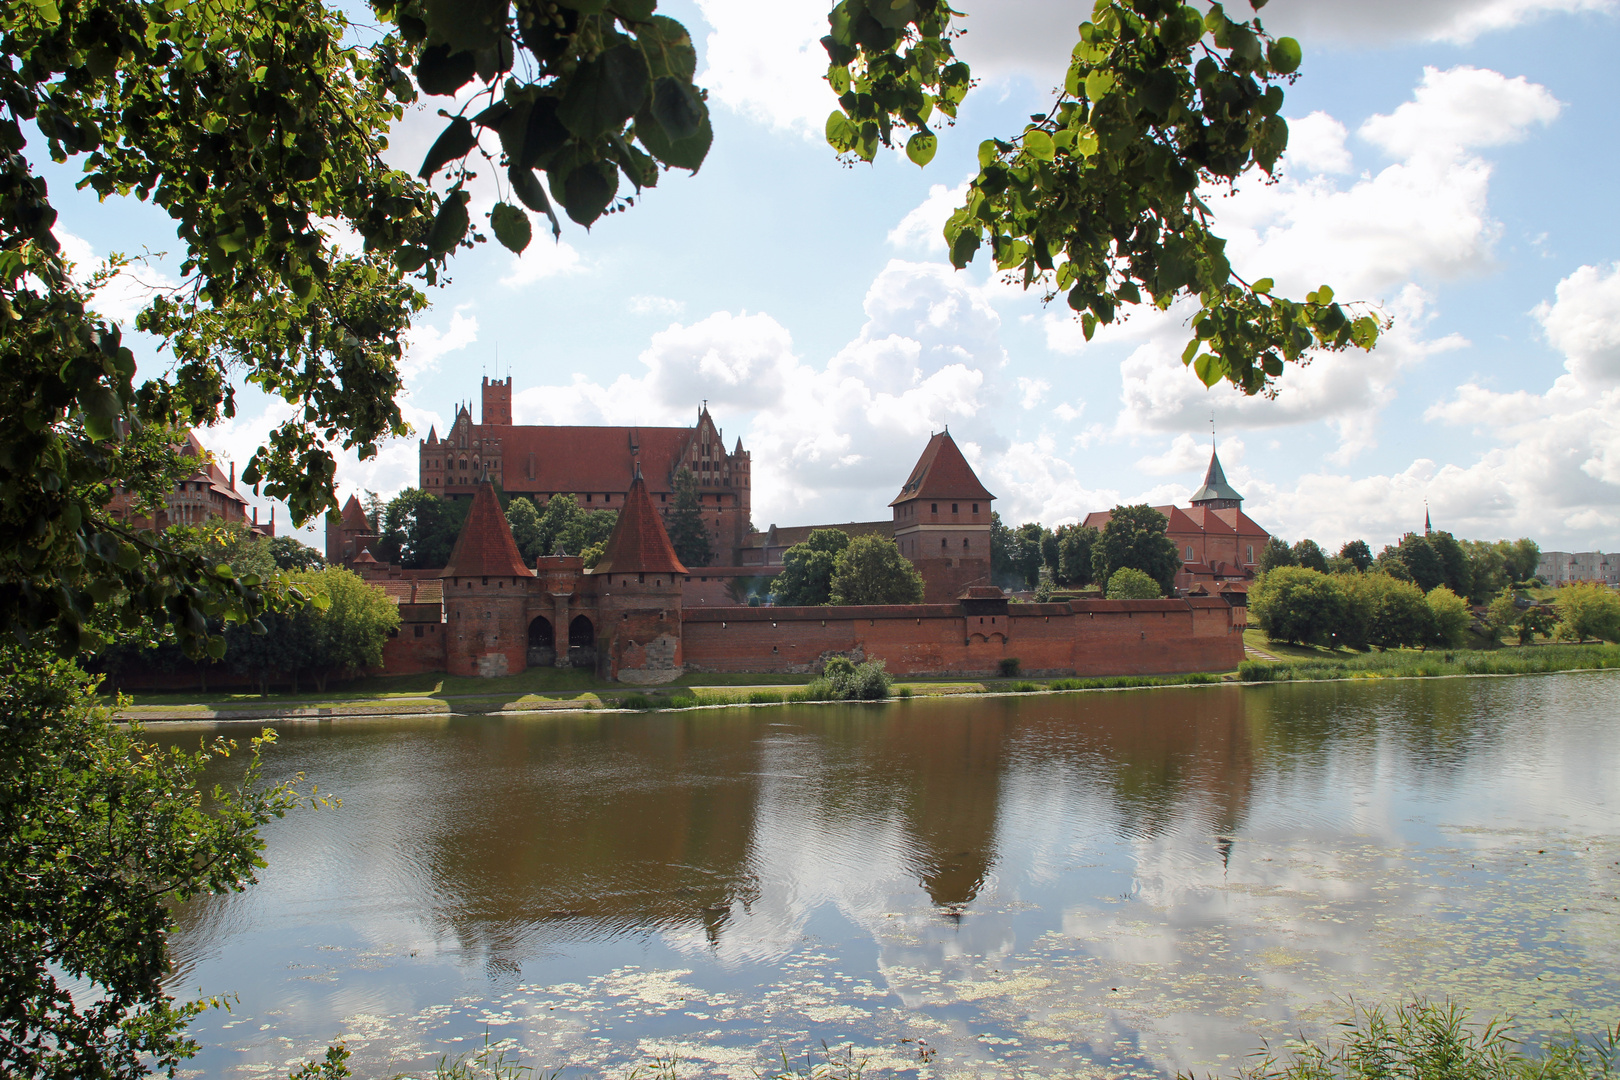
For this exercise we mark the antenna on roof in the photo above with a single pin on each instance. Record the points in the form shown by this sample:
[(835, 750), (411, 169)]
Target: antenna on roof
[(1212, 429)]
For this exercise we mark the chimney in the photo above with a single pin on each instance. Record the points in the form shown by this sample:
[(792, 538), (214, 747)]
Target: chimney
[(233, 476)]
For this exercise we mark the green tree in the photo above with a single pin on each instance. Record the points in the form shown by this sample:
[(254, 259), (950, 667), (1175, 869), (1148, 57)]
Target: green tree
[(1524, 560), (1003, 552), (1449, 618), (558, 514), (102, 836), (1297, 605), (1588, 609), (1134, 537), (687, 532), (524, 519), (424, 527), (1129, 583), (289, 553), (1359, 554), (1276, 553), (1487, 568), (1050, 555), (1029, 552), (1309, 554), (1454, 563), (1421, 561), (1400, 615), (871, 570), (1075, 544), (807, 569), (588, 529), (350, 630), (1099, 198)]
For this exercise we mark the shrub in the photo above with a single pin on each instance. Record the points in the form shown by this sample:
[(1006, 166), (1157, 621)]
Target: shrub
[(902, 691), (1129, 583), (1023, 687), (844, 680), (1256, 671), (1297, 605), (1009, 666), (1588, 610), (637, 701), (1449, 617)]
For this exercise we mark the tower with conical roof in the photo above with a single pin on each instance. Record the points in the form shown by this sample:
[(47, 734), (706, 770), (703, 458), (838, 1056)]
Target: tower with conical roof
[(348, 533), (486, 594), (1216, 494), (942, 521), (638, 583)]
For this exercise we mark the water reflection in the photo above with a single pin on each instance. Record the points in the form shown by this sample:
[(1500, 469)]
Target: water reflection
[(1136, 880)]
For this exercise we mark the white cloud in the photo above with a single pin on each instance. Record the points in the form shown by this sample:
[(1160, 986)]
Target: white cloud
[(122, 296), (1460, 109), (425, 344), (1031, 391), (923, 228), (1069, 413), (1584, 323), (1187, 454), (1316, 145), (656, 305), (766, 61), (543, 258)]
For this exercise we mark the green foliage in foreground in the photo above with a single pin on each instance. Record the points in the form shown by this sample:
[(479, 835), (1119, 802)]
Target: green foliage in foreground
[(1422, 1040), (1511, 661)]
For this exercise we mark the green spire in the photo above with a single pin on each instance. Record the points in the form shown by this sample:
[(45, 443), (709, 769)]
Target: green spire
[(1216, 489)]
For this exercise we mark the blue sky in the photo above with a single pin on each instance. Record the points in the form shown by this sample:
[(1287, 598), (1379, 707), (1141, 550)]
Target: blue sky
[(1452, 162)]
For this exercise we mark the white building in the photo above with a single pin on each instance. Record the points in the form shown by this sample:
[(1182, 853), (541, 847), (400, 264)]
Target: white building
[(1560, 567)]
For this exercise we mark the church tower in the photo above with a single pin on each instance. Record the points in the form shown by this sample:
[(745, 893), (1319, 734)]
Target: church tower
[(1216, 494)]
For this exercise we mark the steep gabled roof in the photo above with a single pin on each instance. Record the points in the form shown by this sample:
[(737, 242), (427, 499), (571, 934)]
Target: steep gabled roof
[(1215, 485), (639, 543), (354, 517), (942, 473), (485, 546)]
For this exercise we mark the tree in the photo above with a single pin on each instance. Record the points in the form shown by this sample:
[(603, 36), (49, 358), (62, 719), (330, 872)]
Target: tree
[(350, 630), (1128, 583), (1075, 545), (1134, 537), (807, 569), (1487, 568), (1400, 615), (1588, 609), (1297, 605), (1449, 618), (1003, 551), (1276, 553), (1050, 556), (1029, 552), (871, 570), (289, 553), (1358, 553), (102, 836), (524, 520), (1524, 560), (687, 532), (588, 529), (1309, 554), (1454, 563), (1421, 561), (424, 527)]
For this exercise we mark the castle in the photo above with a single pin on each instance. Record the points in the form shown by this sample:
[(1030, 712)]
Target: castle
[(204, 494)]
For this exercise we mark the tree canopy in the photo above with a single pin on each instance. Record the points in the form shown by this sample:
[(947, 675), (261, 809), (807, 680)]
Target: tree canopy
[(807, 569), (687, 533), (1135, 537), (871, 570), (1129, 583)]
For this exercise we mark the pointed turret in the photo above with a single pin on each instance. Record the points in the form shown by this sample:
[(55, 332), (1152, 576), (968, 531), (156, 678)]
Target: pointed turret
[(942, 473), (354, 517), (485, 546), (639, 543), (1216, 494)]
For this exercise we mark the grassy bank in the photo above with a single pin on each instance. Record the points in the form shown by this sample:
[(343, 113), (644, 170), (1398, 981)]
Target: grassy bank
[(1408, 663)]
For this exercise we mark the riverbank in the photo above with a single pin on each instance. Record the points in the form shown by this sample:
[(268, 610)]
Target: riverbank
[(551, 691)]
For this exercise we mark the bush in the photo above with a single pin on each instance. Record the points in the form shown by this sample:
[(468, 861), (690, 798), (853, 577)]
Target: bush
[(1024, 687), (637, 701), (1293, 604), (1009, 666), (1449, 617), (844, 680), (1129, 583), (1588, 610)]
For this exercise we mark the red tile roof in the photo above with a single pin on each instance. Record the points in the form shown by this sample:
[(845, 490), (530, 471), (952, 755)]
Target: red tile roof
[(354, 517), (942, 473), (485, 546), (639, 543)]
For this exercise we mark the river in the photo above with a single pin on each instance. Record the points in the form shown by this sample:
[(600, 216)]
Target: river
[(1094, 884)]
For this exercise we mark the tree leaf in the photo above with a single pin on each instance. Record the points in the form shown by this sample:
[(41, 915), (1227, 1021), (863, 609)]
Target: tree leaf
[(465, 25), (893, 14), (668, 49), (450, 224), (604, 93), (439, 71), (526, 186), (452, 144), (676, 106), (1284, 55), (921, 146), (677, 154), (1038, 145), (841, 134), (587, 190), (511, 226)]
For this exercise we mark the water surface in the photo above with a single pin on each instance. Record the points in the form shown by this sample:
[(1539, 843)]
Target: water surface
[(1091, 884)]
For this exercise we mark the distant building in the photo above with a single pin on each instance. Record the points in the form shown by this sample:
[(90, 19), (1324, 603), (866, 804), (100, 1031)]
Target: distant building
[(1218, 543), (1563, 567), (206, 493), (349, 534), (594, 464)]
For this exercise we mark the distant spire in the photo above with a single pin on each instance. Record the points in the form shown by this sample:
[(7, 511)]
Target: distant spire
[(1428, 526), (1216, 491)]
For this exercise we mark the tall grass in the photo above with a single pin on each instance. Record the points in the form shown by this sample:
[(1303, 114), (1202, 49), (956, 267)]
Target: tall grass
[(1125, 682), (1421, 1040), (1386, 665)]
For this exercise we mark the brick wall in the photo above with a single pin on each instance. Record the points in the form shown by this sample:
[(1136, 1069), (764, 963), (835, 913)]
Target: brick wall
[(406, 653), (1101, 637), (486, 625)]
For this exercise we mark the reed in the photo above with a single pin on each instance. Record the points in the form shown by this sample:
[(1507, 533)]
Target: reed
[(1537, 659)]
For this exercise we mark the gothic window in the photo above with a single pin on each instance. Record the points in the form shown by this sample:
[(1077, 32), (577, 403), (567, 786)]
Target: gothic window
[(953, 508), (1189, 553)]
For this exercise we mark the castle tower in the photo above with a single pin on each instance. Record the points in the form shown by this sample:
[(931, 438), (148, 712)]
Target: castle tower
[(1216, 494), (942, 521), (348, 533), (486, 592), (638, 589), (497, 402)]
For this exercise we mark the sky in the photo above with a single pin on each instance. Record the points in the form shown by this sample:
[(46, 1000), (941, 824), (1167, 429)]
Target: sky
[(1451, 163)]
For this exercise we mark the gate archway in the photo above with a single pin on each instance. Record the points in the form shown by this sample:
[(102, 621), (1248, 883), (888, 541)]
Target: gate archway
[(542, 643), (581, 642)]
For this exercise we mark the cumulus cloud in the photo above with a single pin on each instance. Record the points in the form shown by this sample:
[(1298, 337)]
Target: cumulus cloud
[(1316, 144), (1583, 323), (766, 61), (1461, 109), (1186, 454), (543, 258), (656, 305), (1032, 391), (123, 295), (923, 229), (425, 344)]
